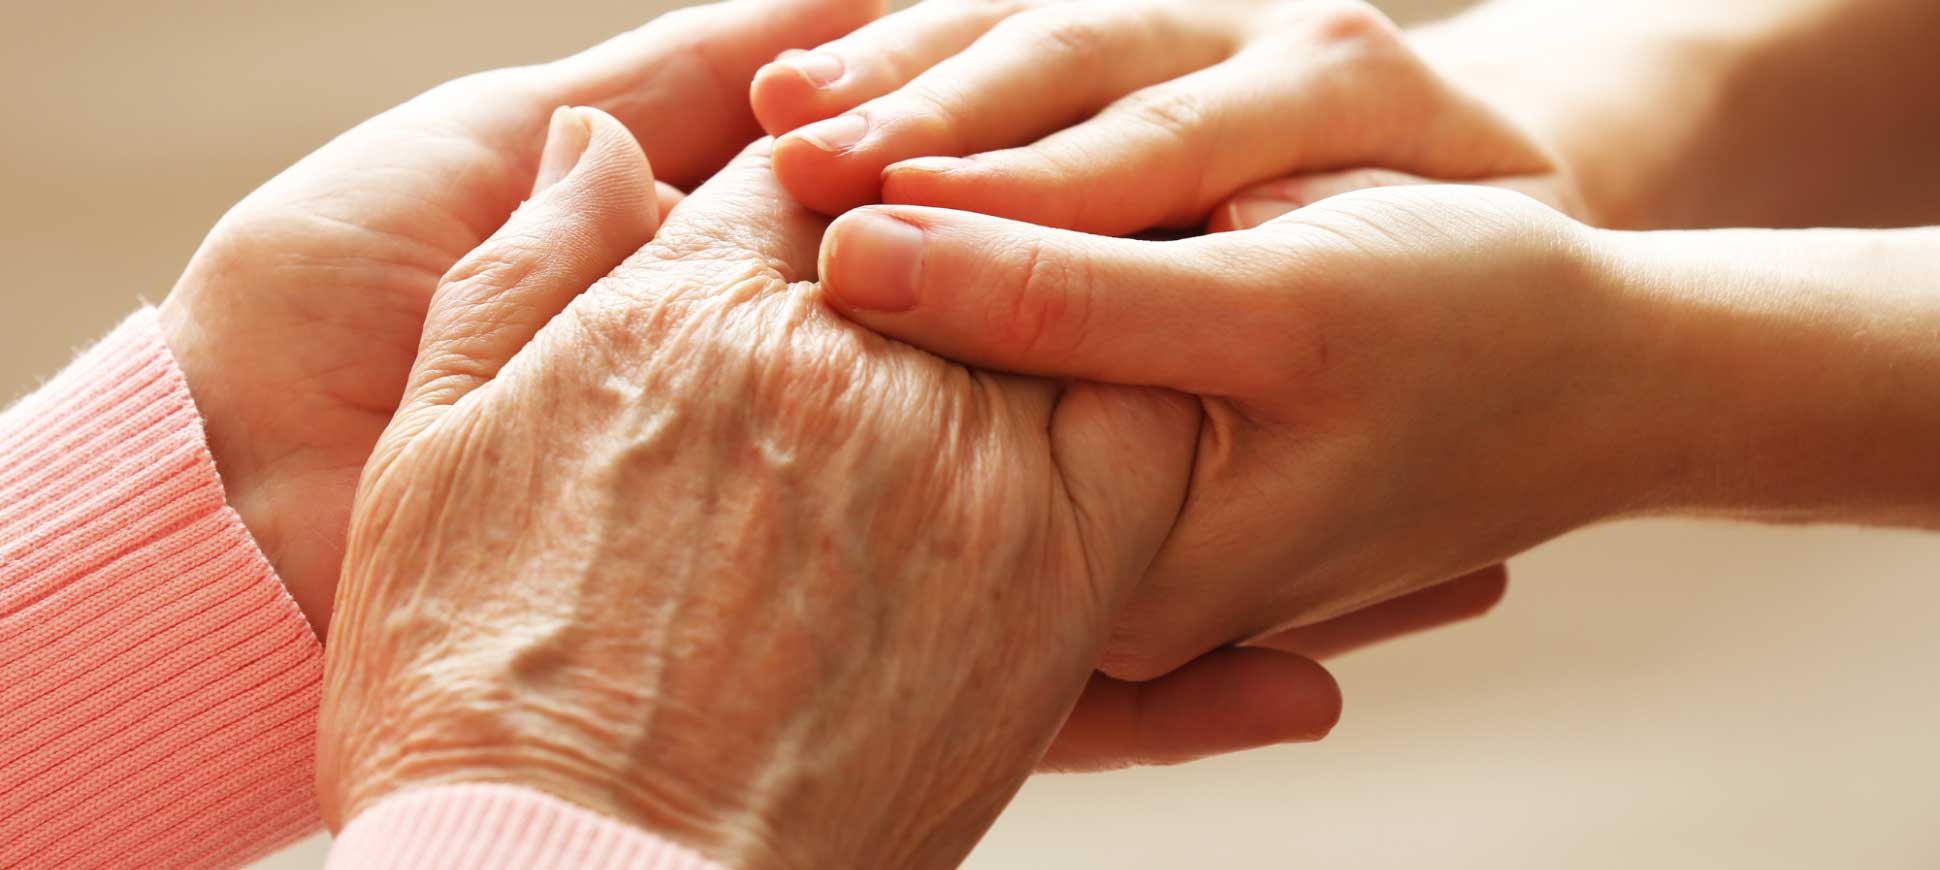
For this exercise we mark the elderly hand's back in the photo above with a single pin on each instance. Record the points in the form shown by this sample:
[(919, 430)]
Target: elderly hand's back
[(706, 557)]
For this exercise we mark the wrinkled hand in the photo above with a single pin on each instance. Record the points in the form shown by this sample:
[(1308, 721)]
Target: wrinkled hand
[(1114, 117), (297, 320), (1399, 386), (692, 550)]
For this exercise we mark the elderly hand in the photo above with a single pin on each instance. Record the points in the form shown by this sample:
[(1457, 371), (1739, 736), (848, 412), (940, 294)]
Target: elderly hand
[(1399, 386), (1130, 115), (690, 549), (297, 320)]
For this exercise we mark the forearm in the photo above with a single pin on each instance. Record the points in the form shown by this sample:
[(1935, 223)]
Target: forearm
[(1669, 113), (1788, 375)]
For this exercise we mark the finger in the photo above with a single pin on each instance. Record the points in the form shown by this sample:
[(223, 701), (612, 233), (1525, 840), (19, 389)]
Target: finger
[(995, 94), (598, 205), (1336, 88), (1224, 701), (804, 86), (1263, 202), (471, 147), (1189, 314), (1125, 456), (1458, 600), (681, 81), (742, 214), (1260, 203), (667, 196)]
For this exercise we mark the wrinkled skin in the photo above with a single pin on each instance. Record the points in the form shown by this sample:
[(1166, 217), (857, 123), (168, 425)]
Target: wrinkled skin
[(707, 557), (297, 320)]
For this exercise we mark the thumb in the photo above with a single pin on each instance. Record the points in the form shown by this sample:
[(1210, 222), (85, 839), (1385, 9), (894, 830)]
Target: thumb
[(1192, 315), (595, 205), (1224, 701)]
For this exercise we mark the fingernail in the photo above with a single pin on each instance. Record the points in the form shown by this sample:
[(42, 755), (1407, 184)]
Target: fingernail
[(878, 260), (1247, 212), (566, 140), (839, 133), (820, 68)]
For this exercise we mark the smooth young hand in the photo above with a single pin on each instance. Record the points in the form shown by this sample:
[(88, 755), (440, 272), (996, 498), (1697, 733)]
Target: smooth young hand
[(1399, 386), (1113, 117)]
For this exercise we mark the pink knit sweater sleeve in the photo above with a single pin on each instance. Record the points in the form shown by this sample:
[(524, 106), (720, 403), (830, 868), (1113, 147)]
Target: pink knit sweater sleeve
[(158, 687)]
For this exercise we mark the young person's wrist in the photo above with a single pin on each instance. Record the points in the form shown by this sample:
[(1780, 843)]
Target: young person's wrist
[(1617, 102), (1789, 376)]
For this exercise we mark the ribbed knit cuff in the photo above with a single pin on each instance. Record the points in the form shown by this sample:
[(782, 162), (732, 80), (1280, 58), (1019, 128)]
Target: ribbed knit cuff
[(483, 826), (158, 686)]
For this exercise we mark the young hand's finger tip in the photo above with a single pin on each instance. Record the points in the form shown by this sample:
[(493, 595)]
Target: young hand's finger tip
[(795, 90), (1227, 701), (1261, 697), (871, 262), (819, 178)]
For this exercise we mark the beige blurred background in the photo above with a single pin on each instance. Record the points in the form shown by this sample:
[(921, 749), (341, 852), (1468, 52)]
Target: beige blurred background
[(1651, 695)]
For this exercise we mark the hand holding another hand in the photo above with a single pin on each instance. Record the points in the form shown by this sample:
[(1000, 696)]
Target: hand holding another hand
[(297, 319), (1399, 386), (681, 545), (1114, 118)]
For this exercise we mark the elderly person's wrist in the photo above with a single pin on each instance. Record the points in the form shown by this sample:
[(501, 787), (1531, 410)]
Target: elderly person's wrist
[(249, 482)]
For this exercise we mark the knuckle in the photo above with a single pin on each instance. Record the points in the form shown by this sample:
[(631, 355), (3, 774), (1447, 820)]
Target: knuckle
[(991, 10), (493, 269), (1049, 307), (1348, 21), (1073, 35), (931, 102), (477, 304), (1174, 111), (1186, 125)]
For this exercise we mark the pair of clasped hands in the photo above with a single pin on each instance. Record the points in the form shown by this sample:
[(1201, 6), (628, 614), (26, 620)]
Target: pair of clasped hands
[(801, 516)]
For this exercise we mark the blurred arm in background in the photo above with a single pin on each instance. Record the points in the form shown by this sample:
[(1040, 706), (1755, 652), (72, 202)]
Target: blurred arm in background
[(1669, 113)]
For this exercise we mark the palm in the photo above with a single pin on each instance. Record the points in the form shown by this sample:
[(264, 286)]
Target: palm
[(299, 317), (331, 265)]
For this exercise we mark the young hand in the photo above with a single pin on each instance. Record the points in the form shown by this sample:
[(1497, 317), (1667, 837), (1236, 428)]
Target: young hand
[(1113, 117), (1399, 386)]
